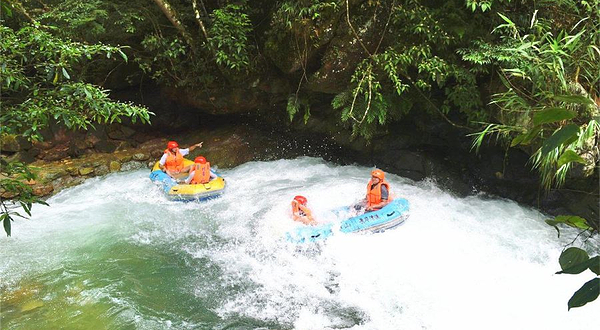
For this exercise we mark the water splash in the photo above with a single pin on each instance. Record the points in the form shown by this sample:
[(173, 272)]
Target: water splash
[(114, 251)]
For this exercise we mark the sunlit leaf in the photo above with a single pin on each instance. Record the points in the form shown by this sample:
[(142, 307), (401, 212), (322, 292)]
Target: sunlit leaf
[(65, 73), (552, 115), (570, 156), (573, 221)]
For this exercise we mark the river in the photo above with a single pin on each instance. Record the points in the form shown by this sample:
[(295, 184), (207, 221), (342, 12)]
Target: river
[(114, 253)]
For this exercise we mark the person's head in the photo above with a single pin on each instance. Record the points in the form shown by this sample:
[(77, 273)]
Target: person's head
[(172, 146), (200, 160), (377, 175), (301, 200)]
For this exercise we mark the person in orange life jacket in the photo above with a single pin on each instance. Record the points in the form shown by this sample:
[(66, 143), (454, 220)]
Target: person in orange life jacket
[(171, 161), (200, 172), (378, 192), (300, 212)]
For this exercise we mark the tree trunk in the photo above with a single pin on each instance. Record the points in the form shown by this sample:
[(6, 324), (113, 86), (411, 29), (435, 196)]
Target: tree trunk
[(197, 12), (172, 16)]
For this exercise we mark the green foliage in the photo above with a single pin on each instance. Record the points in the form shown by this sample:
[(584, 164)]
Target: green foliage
[(416, 66), (587, 293), (295, 105), (574, 260), (40, 84), (229, 37), (16, 193), (38, 88), (75, 19), (550, 77)]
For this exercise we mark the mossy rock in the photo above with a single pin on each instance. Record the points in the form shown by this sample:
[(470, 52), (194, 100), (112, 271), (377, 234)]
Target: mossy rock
[(114, 166), (86, 170), (9, 142)]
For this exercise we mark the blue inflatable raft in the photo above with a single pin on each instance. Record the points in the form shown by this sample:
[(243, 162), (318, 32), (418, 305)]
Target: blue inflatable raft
[(391, 216)]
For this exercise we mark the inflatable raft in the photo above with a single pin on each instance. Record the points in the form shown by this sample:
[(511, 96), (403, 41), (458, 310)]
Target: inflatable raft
[(391, 216), (187, 192)]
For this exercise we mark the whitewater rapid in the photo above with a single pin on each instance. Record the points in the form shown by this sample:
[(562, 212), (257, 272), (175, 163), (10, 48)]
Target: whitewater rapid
[(115, 252)]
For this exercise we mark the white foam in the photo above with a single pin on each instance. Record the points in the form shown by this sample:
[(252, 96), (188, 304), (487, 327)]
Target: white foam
[(457, 263)]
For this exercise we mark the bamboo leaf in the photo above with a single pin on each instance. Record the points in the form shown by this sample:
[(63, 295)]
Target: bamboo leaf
[(570, 156), (552, 115), (559, 137), (7, 225), (579, 99), (526, 138), (506, 19), (65, 73)]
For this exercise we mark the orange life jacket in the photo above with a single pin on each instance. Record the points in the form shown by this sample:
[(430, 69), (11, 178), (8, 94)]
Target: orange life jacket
[(374, 193), (301, 213), (174, 162), (201, 173)]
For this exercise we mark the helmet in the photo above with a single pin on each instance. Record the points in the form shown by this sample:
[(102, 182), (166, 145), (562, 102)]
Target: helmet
[(301, 199), (378, 174), (172, 144), (200, 160)]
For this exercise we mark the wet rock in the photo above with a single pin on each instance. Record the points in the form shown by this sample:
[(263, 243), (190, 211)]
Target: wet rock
[(125, 145), (86, 170), (43, 145), (77, 148), (55, 153), (119, 132), (66, 182), (408, 164), (42, 190), (7, 194), (62, 136), (9, 143), (141, 157), (52, 174), (24, 144), (132, 165), (125, 158), (91, 140), (105, 146), (73, 171), (25, 156), (114, 166), (101, 170)]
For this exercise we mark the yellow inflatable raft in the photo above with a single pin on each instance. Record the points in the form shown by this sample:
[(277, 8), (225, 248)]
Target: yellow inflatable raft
[(187, 192)]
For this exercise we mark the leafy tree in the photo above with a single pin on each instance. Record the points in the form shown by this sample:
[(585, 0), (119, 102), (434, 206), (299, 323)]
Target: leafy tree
[(40, 84), (549, 76), (399, 75)]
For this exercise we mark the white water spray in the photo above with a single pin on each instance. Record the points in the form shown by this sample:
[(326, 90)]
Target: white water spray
[(457, 263)]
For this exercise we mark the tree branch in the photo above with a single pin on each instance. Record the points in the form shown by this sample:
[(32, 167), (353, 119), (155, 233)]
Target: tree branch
[(199, 20), (171, 14)]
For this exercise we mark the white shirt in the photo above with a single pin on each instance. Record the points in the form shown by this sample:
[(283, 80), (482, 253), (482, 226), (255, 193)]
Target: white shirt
[(163, 159)]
